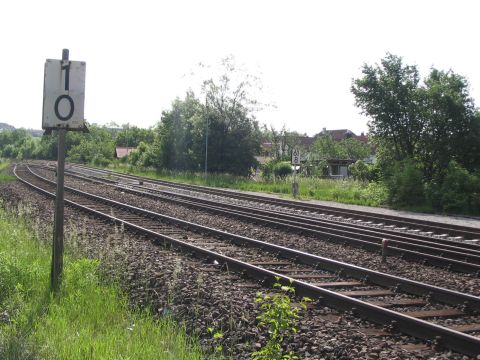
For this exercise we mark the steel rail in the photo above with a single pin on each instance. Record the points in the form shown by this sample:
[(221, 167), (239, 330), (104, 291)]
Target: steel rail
[(453, 260), (456, 247), (308, 259), (446, 337), (458, 230), (440, 249)]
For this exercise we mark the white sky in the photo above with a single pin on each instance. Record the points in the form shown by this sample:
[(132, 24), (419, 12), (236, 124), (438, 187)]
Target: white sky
[(306, 52)]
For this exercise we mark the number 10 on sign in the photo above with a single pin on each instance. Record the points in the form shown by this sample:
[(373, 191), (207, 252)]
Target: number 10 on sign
[(63, 94)]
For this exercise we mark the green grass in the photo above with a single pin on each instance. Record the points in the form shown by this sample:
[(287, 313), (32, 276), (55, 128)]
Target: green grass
[(3, 176), (89, 320), (345, 191)]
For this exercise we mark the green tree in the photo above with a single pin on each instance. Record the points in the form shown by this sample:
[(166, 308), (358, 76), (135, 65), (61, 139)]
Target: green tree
[(388, 95), (449, 124), (324, 147), (17, 143), (429, 124), (353, 149), (234, 134), (96, 146), (131, 136), (226, 115), (174, 146)]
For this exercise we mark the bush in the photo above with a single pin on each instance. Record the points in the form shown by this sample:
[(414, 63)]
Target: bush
[(359, 171), (282, 170), (460, 190), (267, 171), (405, 185), (375, 194)]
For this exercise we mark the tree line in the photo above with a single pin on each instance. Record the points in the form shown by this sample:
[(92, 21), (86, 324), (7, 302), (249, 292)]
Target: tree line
[(427, 135)]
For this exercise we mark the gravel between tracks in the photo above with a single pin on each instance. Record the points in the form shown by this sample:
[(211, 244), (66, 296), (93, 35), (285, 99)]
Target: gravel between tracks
[(468, 283), (194, 294)]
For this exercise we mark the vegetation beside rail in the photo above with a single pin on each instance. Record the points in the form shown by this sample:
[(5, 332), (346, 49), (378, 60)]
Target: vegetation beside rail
[(4, 177), (347, 191), (88, 320)]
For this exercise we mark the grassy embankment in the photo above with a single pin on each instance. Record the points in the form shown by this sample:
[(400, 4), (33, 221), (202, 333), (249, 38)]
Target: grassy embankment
[(4, 177), (89, 320), (344, 191)]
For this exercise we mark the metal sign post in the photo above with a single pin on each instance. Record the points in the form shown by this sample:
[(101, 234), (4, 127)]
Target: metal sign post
[(295, 163), (63, 102)]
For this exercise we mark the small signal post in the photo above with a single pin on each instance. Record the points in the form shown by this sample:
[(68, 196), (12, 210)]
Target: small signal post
[(295, 163)]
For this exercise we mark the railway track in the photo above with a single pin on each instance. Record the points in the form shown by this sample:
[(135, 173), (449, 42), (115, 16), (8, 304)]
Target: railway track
[(417, 309), (456, 256), (402, 223)]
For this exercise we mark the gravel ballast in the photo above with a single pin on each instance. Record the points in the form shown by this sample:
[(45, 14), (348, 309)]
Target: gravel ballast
[(201, 296)]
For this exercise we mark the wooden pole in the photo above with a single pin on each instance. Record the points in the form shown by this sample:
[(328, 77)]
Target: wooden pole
[(57, 248)]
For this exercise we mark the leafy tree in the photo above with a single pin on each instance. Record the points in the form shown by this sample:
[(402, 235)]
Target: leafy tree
[(448, 120), (325, 147), (429, 124), (406, 185), (96, 146), (47, 147), (388, 94), (17, 143), (174, 145), (233, 133), (131, 136), (353, 149), (283, 142)]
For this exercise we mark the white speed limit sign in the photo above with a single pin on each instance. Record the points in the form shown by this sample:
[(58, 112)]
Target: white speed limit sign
[(63, 94)]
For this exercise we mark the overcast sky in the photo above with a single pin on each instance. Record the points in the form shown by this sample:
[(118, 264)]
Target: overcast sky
[(306, 52)]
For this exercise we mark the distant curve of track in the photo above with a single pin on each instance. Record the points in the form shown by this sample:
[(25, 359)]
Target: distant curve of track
[(457, 256), (469, 233)]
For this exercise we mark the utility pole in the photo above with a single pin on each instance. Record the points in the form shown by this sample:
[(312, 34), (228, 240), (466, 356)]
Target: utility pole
[(206, 137)]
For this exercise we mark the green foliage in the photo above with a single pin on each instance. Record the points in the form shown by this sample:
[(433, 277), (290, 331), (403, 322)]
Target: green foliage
[(88, 320), (217, 336), (282, 169), (233, 134), (267, 171), (132, 136), (406, 185), (364, 172), (279, 317), (419, 129), (431, 123), (459, 193), (359, 170), (141, 157), (345, 191), (388, 94), (325, 147), (3, 176), (96, 147), (16, 144)]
